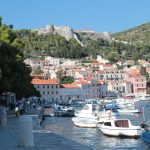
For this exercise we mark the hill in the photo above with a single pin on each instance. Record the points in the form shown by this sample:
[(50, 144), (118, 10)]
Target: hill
[(139, 36), (62, 41)]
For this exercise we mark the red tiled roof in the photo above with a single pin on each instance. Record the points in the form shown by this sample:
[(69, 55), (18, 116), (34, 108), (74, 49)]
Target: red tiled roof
[(107, 65), (37, 75), (100, 81), (101, 71), (41, 81), (135, 72), (88, 78), (70, 86)]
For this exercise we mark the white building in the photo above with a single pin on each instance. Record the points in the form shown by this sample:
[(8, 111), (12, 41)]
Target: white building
[(70, 92), (69, 63), (123, 86), (49, 89), (113, 74), (53, 61)]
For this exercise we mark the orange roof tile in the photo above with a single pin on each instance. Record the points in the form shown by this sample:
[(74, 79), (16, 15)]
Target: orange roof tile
[(41, 81), (37, 75), (100, 81), (70, 86), (135, 72), (88, 78), (107, 65)]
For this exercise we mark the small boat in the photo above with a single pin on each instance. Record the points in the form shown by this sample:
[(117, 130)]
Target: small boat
[(84, 122), (144, 97), (119, 128), (145, 136), (63, 111), (111, 106), (129, 110), (87, 122), (86, 112)]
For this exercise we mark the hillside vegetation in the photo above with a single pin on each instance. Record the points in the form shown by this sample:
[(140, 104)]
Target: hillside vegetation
[(139, 36), (58, 46)]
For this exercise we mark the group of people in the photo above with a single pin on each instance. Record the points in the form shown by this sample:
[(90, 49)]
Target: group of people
[(3, 117)]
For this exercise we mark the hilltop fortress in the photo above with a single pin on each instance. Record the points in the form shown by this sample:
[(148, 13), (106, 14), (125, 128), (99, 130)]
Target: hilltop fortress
[(69, 33)]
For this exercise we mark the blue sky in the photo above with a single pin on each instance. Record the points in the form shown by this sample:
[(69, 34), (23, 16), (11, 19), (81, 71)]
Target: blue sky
[(100, 15)]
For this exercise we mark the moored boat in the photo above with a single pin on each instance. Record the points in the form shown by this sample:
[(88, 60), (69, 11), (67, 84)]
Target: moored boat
[(86, 112), (144, 97), (145, 136), (63, 111), (84, 122), (119, 127)]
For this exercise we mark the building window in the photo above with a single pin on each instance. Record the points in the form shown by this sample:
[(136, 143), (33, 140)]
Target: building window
[(48, 92), (56, 92), (38, 86), (43, 92), (43, 86), (52, 87), (48, 86), (52, 92), (137, 85), (136, 80), (56, 86)]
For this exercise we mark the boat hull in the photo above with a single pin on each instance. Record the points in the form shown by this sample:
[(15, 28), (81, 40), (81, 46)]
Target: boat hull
[(120, 132), (145, 136)]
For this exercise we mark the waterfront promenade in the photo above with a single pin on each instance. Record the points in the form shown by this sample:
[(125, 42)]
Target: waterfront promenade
[(43, 140)]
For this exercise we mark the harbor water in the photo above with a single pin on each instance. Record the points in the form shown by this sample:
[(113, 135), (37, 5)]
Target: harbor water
[(92, 137)]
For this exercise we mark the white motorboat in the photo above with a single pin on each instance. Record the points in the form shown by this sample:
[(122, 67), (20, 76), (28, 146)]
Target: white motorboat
[(84, 122), (63, 111), (119, 127), (92, 122), (129, 110), (144, 97), (86, 112)]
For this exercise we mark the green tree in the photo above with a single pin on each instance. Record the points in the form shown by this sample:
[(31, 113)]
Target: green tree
[(148, 86), (0, 20), (143, 72), (67, 79), (15, 74), (37, 70)]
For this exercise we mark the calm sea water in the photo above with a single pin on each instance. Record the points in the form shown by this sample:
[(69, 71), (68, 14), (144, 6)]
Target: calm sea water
[(93, 138)]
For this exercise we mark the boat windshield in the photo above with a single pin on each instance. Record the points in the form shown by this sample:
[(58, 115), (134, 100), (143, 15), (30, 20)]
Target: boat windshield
[(122, 123), (107, 123)]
